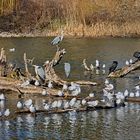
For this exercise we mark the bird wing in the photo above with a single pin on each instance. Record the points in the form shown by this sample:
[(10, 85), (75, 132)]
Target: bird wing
[(56, 40), (67, 68), (41, 73)]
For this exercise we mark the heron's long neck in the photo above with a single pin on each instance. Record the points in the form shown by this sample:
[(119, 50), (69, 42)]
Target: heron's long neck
[(62, 35)]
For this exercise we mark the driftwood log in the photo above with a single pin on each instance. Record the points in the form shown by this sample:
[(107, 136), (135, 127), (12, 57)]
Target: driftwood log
[(133, 99), (14, 83), (125, 70)]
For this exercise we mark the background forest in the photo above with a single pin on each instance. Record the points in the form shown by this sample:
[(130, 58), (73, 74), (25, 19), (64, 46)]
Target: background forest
[(97, 18)]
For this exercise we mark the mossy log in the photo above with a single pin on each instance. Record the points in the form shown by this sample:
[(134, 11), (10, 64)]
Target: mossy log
[(125, 70)]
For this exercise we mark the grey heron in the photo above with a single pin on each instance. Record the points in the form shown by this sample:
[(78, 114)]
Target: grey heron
[(58, 39), (67, 69), (39, 72)]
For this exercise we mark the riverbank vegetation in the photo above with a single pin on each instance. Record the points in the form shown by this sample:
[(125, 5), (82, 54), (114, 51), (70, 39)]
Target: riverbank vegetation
[(93, 18)]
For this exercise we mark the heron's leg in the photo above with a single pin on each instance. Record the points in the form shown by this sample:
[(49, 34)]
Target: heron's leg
[(58, 48)]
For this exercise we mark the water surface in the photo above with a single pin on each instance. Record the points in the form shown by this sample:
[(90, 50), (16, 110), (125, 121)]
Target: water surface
[(121, 123)]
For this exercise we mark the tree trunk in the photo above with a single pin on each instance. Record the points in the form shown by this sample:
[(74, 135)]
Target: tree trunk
[(125, 70)]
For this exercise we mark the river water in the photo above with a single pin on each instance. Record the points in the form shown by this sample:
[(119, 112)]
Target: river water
[(114, 124)]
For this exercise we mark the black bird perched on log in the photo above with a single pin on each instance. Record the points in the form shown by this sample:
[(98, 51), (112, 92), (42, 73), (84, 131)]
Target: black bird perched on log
[(113, 66), (137, 55)]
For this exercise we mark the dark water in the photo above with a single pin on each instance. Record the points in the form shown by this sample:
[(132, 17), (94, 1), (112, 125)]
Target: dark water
[(114, 124)]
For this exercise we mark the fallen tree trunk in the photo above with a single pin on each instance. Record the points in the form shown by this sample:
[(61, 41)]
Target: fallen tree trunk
[(133, 99), (15, 85), (125, 70)]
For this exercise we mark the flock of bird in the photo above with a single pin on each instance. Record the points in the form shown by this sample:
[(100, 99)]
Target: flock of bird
[(109, 97)]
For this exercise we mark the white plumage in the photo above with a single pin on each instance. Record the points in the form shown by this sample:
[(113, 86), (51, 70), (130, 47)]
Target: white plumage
[(106, 81), (127, 63), (28, 103), (2, 97), (37, 83), (126, 93), (19, 105), (32, 109), (60, 93), (72, 102), (137, 94), (50, 85), (91, 95), (7, 112), (83, 102), (66, 105), (46, 107), (97, 63), (65, 87), (131, 94), (44, 92)]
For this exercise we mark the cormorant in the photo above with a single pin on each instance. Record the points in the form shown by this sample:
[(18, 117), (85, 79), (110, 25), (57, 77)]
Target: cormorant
[(113, 66), (137, 55)]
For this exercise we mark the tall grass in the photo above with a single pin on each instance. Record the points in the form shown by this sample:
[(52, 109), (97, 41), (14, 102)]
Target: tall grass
[(78, 17)]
